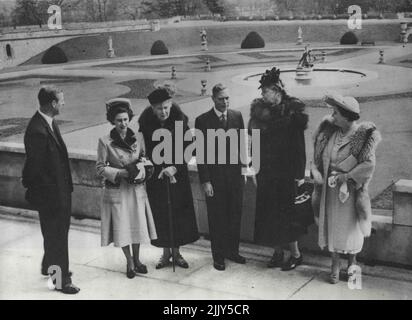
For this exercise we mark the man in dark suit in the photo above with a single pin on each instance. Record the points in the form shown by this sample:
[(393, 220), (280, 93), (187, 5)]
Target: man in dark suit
[(47, 177), (222, 183)]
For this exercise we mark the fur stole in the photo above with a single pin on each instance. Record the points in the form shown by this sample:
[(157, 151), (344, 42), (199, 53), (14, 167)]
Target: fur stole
[(148, 122), (264, 115), (363, 141)]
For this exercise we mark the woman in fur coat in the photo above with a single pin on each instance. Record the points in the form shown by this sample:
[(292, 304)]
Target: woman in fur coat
[(344, 161), (281, 120), (164, 114)]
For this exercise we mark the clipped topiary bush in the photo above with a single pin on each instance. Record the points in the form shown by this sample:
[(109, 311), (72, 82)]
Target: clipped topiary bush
[(343, 16), (54, 55), (329, 17), (158, 48), (253, 40), (349, 38)]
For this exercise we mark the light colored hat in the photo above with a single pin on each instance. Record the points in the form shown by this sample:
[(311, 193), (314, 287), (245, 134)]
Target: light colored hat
[(348, 103)]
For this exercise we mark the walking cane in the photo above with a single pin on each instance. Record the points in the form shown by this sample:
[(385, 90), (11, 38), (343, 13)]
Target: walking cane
[(170, 213)]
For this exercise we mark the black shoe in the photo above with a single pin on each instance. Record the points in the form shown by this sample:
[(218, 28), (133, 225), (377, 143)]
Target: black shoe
[(219, 264), (69, 289), (276, 261), (292, 263), (181, 262), (237, 258), (163, 262), (130, 273), (141, 268)]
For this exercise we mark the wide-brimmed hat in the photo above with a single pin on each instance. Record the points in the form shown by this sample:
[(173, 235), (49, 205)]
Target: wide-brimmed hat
[(348, 103), (158, 96)]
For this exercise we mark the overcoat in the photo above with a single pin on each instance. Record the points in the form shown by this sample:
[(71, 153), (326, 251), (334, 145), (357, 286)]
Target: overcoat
[(282, 162), (126, 216), (342, 226), (184, 218)]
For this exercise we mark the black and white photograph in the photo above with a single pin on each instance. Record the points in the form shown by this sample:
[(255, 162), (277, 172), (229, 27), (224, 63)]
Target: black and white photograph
[(218, 151)]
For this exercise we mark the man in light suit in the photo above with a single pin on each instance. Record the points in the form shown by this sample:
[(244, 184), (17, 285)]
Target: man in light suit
[(47, 177), (222, 183)]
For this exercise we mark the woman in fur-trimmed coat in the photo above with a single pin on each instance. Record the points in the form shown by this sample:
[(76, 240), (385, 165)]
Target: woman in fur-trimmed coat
[(185, 225), (344, 161), (281, 120)]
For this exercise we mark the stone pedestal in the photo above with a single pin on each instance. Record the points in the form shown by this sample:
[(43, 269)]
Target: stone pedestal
[(300, 36), (110, 50), (402, 203)]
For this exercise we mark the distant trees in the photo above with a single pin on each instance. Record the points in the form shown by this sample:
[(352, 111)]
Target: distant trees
[(34, 12), (131, 9), (170, 8), (339, 6), (216, 6)]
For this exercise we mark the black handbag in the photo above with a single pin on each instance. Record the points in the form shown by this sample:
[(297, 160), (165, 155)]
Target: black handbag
[(303, 215)]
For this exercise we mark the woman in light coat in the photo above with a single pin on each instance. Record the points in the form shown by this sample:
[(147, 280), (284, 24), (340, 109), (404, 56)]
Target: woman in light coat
[(126, 216), (344, 162)]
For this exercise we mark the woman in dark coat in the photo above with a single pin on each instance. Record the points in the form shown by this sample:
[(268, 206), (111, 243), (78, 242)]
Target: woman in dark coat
[(282, 121), (164, 114)]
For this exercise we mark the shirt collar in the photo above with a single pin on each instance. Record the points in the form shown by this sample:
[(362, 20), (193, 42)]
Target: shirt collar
[(219, 114), (48, 119)]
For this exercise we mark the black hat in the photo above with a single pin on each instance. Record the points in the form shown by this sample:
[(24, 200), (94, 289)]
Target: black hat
[(158, 96), (271, 78)]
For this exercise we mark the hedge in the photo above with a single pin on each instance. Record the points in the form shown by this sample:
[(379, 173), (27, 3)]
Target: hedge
[(54, 55), (253, 40), (349, 38), (158, 48)]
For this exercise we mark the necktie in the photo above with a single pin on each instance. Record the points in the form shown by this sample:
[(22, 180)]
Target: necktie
[(223, 120)]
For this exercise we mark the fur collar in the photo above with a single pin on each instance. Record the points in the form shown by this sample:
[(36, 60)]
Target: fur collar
[(363, 141), (128, 142), (149, 122), (264, 115)]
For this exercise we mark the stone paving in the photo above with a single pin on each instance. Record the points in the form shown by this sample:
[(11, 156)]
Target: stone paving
[(100, 272)]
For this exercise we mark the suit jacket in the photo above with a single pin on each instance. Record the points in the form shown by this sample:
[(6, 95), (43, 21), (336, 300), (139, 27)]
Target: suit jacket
[(46, 172), (215, 172)]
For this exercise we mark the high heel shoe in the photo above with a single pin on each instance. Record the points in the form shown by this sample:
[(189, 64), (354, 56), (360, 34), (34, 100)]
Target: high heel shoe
[(334, 278), (163, 262), (130, 272), (140, 268), (351, 273), (334, 275), (181, 262)]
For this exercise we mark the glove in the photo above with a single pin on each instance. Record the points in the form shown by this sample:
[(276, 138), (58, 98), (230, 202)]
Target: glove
[(169, 172), (133, 172), (136, 172)]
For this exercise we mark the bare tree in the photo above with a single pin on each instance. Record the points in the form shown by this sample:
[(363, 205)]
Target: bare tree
[(131, 8)]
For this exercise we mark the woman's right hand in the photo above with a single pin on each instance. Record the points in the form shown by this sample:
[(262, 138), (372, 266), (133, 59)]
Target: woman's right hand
[(208, 189)]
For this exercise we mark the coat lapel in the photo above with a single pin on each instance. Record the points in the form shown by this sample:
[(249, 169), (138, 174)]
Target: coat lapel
[(49, 130), (215, 121), (230, 120), (59, 137)]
